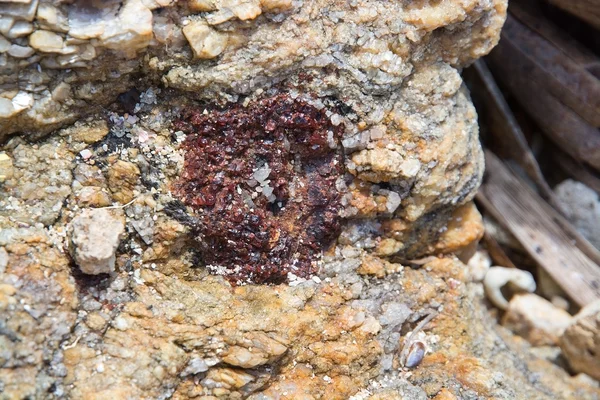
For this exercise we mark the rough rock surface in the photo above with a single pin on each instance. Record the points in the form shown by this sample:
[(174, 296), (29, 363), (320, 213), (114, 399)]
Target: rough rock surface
[(164, 324), (581, 341), (95, 237), (536, 319)]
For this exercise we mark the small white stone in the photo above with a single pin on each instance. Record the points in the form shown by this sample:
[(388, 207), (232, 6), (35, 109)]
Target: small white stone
[(20, 9), (120, 323), (3, 259), (6, 108), (22, 101), (393, 201), (85, 154)]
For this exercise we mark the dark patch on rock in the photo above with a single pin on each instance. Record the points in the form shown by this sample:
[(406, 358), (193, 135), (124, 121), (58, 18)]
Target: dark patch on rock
[(261, 181)]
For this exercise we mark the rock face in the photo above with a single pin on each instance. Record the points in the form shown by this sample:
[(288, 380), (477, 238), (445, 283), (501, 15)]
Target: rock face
[(372, 88), (581, 341)]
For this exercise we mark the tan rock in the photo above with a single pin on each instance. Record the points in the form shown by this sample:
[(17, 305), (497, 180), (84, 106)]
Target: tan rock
[(580, 342), (92, 196), (52, 18), (95, 321), (271, 5), (382, 165), (46, 41), (122, 178), (205, 41), (202, 5), (247, 10), (536, 319), (6, 167), (95, 236), (131, 31)]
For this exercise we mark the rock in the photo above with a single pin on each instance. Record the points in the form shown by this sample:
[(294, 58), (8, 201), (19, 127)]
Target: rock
[(204, 40), (95, 236), (582, 208), (479, 265), (122, 178), (93, 196), (20, 29), (536, 319), (20, 51), (498, 277), (4, 44), (580, 342), (6, 167), (52, 18), (46, 41)]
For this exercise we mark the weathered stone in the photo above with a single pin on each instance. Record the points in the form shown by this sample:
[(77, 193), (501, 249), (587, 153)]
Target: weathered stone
[(46, 41), (536, 319), (20, 29), (95, 237), (20, 51), (122, 178), (52, 17), (204, 40), (6, 167), (580, 342)]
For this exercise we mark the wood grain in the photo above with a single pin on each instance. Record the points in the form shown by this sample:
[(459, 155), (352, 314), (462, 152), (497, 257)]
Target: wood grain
[(567, 257), (587, 10)]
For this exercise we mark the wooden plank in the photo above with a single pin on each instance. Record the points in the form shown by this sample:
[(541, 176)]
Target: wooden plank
[(505, 124), (577, 171), (565, 127), (587, 10), (539, 228), (530, 14), (565, 78)]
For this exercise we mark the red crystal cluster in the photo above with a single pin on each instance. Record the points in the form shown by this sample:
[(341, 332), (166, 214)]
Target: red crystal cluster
[(261, 180)]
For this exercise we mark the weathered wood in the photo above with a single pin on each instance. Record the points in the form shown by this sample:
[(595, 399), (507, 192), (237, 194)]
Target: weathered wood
[(497, 254), (505, 124), (566, 78), (577, 171), (546, 236), (587, 10), (530, 14), (514, 66)]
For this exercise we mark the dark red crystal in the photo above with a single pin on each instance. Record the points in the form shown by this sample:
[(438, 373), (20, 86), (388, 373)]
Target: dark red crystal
[(255, 237)]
